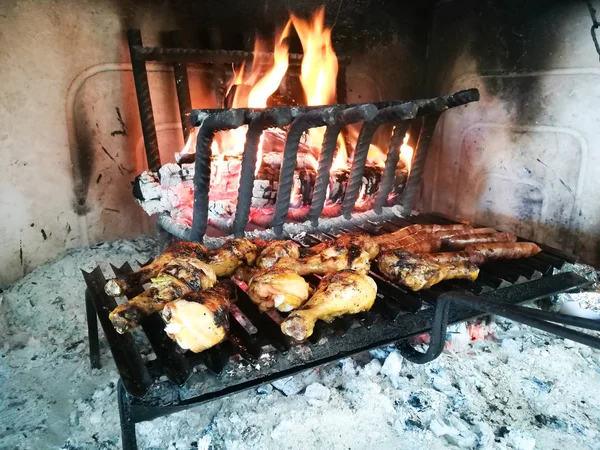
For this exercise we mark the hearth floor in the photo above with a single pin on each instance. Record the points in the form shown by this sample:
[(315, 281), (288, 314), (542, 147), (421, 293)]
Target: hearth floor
[(518, 388)]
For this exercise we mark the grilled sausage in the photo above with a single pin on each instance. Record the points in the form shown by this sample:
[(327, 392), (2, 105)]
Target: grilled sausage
[(508, 250), (462, 240)]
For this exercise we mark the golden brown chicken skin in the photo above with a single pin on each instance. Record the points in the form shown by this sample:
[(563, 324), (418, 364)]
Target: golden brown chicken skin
[(233, 254), (279, 288), (128, 283), (274, 251), (199, 320), (416, 272), (364, 241), (344, 292), (179, 276)]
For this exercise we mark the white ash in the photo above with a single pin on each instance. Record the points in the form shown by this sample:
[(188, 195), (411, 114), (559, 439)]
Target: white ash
[(519, 389)]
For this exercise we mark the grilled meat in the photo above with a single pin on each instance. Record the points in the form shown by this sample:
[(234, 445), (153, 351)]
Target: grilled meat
[(460, 241), (425, 241), (199, 320), (278, 287), (453, 257), (128, 283), (416, 272), (344, 292), (276, 250), (350, 251), (178, 277), (233, 254), (510, 250), (417, 228), (366, 242)]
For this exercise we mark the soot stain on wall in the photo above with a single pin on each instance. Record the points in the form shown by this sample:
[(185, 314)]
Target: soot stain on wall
[(502, 36)]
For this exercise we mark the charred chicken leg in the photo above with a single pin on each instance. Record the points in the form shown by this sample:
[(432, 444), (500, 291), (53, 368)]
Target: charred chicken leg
[(416, 272), (180, 276), (233, 254), (345, 292), (199, 320), (128, 283), (351, 251), (274, 251)]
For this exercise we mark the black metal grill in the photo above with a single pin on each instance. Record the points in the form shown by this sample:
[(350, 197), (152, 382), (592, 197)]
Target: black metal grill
[(177, 380), (401, 114)]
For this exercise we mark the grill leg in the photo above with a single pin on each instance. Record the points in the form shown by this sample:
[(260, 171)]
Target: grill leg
[(128, 438), (92, 322), (437, 339)]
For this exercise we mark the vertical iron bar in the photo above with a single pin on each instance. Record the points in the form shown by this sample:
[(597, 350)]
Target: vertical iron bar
[(342, 95), (391, 162), (244, 199), (128, 437), (265, 119), (312, 119), (182, 86), (395, 113), (418, 164), (142, 90), (210, 124), (216, 43), (348, 116), (92, 323)]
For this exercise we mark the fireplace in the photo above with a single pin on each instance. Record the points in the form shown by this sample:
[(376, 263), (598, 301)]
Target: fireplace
[(444, 113)]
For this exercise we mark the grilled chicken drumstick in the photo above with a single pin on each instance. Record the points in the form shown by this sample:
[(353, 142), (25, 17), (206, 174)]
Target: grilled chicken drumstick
[(233, 254), (199, 320), (127, 283), (350, 251), (274, 251), (178, 277), (223, 261), (416, 272), (344, 292), (279, 288)]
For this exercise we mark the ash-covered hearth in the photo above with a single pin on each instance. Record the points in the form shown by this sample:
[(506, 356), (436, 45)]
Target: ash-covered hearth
[(374, 225)]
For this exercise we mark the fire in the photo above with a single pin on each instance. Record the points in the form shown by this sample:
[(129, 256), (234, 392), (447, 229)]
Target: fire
[(406, 152), (253, 86)]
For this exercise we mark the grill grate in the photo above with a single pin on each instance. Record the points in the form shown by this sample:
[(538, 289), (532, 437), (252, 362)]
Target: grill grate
[(175, 380)]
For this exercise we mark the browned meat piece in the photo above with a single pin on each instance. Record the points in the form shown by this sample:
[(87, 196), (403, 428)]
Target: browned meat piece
[(128, 283), (179, 276), (413, 229), (453, 257), (244, 273), (279, 288), (364, 241), (233, 254), (460, 241), (511, 250), (199, 320), (426, 242), (345, 292), (416, 272), (276, 250)]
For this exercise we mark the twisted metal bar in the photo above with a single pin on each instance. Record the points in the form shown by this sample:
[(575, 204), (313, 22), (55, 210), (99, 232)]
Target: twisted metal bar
[(142, 90), (262, 120), (182, 87), (397, 113), (391, 163), (418, 163), (312, 119), (225, 120), (168, 54), (348, 116)]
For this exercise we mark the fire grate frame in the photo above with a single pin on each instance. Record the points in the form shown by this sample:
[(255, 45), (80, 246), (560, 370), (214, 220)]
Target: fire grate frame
[(423, 114), (172, 382)]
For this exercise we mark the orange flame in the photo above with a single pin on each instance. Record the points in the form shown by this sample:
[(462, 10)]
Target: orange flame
[(319, 65), (406, 152)]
